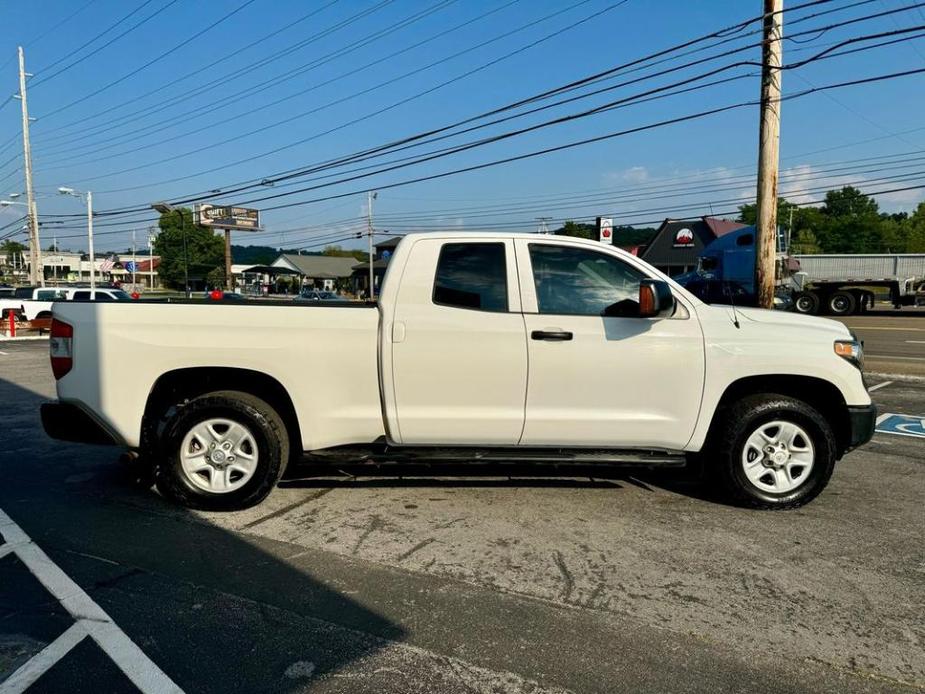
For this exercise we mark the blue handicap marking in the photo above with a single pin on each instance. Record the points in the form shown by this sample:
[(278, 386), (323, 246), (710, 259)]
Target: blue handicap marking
[(901, 424)]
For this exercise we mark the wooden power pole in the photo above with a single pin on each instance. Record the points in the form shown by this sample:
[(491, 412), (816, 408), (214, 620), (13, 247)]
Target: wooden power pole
[(229, 277), (36, 271), (768, 153)]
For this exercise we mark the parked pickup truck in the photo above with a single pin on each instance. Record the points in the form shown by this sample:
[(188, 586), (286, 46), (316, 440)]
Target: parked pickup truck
[(30, 303), (481, 348)]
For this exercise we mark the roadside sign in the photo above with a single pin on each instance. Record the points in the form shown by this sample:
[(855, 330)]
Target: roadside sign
[(901, 425), (605, 229), (228, 217)]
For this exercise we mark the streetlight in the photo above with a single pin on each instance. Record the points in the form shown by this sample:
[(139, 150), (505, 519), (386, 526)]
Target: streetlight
[(88, 196), (167, 208)]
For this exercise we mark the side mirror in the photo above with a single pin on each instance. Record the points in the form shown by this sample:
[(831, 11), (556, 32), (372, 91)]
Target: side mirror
[(655, 299)]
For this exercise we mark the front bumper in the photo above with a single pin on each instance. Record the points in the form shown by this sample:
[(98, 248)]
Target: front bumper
[(68, 422), (862, 421)]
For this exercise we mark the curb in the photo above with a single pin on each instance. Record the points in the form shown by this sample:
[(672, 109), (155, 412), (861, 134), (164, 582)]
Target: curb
[(909, 378)]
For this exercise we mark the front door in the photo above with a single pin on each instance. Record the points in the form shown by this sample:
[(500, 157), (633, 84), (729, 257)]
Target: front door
[(594, 380), (459, 355)]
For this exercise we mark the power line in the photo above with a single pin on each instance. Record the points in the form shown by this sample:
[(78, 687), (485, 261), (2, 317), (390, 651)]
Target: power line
[(187, 41), (99, 35), (181, 97), (357, 94), (192, 114), (566, 87)]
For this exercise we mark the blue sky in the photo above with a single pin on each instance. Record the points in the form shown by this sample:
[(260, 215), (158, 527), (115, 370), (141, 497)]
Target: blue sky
[(112, 142)]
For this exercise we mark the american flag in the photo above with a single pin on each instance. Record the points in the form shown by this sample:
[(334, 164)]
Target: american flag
[(107, 265)]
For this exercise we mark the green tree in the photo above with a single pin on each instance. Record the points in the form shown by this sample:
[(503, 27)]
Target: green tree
[(206, 249), (577, 229), (10, 248), (215, 279), (915, 240), (804, 243), (338, 252), (748, 214)]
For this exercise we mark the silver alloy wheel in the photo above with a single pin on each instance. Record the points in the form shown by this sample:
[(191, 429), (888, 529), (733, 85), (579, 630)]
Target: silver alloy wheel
[(219, 455), (778, 457)]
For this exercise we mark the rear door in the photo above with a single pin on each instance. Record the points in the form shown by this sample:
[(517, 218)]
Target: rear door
[(459, 355), (603, 380)]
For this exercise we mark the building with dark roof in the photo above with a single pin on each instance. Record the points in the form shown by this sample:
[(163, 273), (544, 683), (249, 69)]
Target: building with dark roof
[(676, 244)]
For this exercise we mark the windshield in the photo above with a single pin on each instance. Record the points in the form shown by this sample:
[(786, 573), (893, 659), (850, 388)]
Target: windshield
[(120, 295)]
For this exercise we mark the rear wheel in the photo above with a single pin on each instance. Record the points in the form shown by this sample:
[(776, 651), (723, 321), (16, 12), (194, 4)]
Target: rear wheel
[(773, 452), (222, 451), (841, 304), (806, 302)]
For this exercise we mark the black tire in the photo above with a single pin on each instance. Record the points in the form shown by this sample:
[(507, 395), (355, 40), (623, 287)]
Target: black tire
[(807, 303), (264, 424), (740, 421), (841, 304)]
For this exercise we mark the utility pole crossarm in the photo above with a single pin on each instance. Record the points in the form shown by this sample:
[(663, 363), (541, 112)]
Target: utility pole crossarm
[(768, 153)]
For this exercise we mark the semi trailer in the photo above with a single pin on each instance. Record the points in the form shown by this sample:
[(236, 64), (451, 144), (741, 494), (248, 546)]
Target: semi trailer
[(838, 285)]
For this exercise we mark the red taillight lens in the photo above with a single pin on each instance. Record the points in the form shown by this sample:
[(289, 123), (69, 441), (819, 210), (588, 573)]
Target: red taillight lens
[(61, 347)]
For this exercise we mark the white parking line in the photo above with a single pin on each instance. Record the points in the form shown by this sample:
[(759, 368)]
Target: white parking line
[(908, 342), (879, 386), (90, 620)]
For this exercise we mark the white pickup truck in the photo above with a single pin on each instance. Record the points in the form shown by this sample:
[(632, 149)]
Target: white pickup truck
[(482, 347), (30, 303)]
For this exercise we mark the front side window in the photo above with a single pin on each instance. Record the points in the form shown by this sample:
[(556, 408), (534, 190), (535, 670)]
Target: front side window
[(472, 275), (578, 281)]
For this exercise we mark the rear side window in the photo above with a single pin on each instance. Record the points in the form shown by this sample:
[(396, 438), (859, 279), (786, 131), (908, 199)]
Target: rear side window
[(50, 295), (81, 296), (472, 275)]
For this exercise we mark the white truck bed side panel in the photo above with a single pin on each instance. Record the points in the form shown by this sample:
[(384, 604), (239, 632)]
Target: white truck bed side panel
[(120, 350)]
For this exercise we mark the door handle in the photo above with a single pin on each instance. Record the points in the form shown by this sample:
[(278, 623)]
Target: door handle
[(551, 335)]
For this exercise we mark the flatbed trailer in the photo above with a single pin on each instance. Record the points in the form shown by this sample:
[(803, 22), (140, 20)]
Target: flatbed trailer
[(841, 285)]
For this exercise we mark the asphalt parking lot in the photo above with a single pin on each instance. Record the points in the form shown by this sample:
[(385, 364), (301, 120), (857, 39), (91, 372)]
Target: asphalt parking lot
[(455, 580)]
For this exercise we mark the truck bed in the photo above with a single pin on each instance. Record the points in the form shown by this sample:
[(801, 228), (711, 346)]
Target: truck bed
[(327, 358)]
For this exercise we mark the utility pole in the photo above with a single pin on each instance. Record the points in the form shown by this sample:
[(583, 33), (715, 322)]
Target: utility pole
[(151, 258), (543, 227), (36, 271), (90, 240), (134, 261), (370, 196), (229, 283), (768, 152)]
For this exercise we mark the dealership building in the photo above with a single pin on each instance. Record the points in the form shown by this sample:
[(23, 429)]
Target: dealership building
[(676, 244)]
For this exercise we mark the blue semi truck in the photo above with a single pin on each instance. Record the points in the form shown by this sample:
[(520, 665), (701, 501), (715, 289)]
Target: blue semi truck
[(726, 274)]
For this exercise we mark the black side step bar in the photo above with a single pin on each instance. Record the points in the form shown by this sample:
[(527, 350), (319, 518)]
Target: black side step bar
[(415, 454)]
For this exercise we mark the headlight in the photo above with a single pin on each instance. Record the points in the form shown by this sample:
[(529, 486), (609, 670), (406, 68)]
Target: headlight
[(852, 350)]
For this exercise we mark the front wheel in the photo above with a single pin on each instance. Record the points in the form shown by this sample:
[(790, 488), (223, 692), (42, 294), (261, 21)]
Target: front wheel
[(773, 452), (222, 451), (807, 303)]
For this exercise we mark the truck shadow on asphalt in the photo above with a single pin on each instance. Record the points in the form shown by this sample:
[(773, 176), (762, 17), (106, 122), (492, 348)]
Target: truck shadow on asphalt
[(200, 601), (686, 481)]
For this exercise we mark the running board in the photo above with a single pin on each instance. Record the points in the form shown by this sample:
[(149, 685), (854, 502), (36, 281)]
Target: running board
[(564, 456)]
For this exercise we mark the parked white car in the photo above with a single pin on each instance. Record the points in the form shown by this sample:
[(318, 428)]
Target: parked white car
[(482, 347)]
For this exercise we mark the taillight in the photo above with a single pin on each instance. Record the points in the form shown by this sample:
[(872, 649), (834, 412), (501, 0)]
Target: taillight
[(61, 347)]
